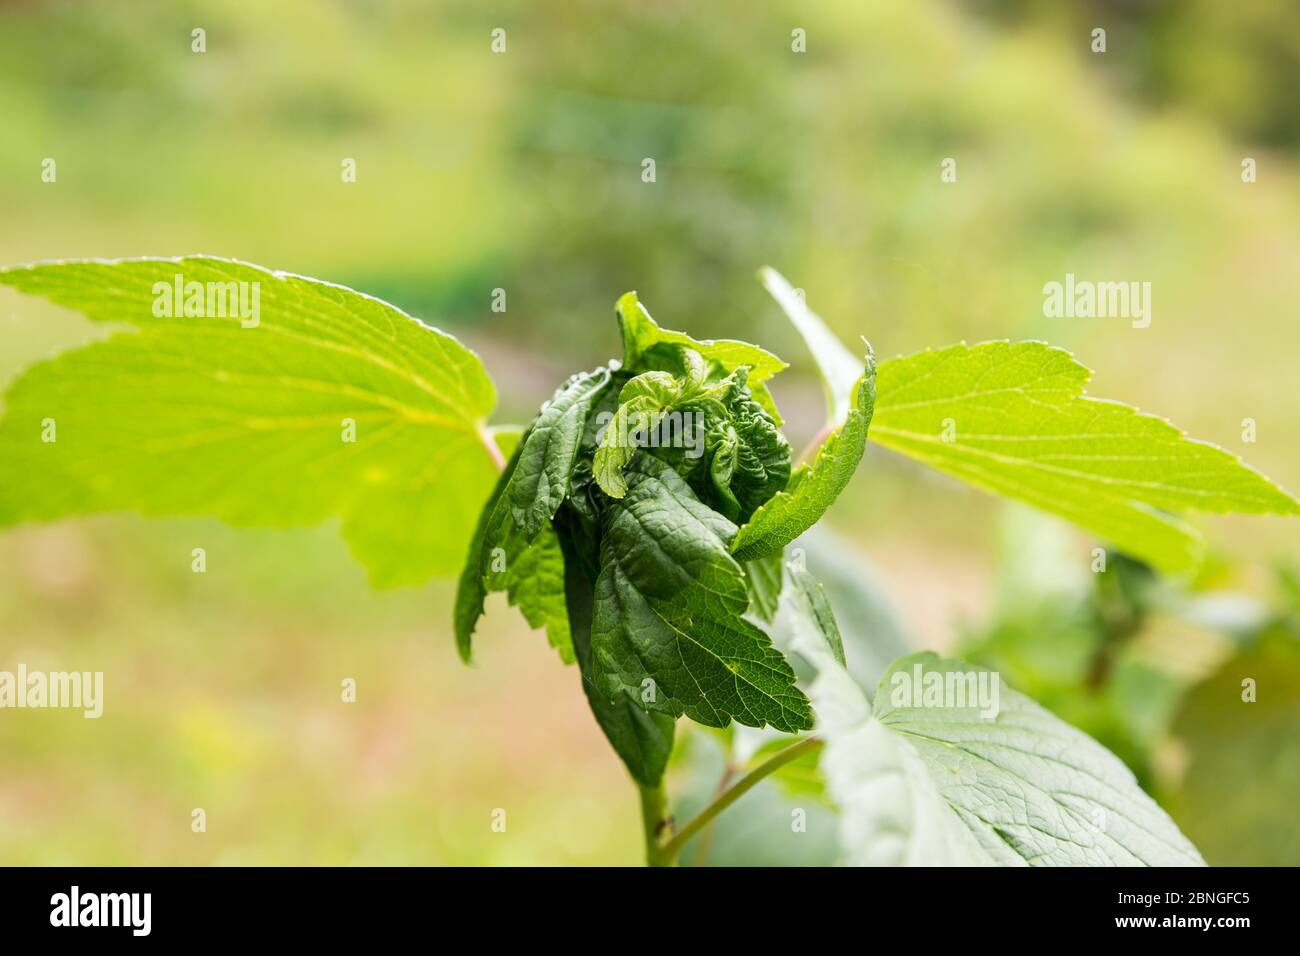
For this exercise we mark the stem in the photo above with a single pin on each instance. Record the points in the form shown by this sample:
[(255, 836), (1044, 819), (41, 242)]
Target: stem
[(814, 444), (490, 445), (667, 853), (654, 817), (706, 838)]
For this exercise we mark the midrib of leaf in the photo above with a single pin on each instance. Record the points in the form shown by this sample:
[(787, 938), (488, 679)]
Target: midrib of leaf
[(1110, 805), (161, 388), (343, 338), (959, 447), (332, 291)]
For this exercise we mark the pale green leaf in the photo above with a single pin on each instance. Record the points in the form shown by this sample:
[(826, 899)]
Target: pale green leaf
[(1012, 418), (840, 369), (872, 634), (194, 415), (809, 601), (945, 781)]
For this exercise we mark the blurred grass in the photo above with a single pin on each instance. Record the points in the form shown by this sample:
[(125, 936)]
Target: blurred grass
[(522, 171)]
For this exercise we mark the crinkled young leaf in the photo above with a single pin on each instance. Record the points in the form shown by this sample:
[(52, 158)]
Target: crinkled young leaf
[(813, 487), (919, 784), (204, 416), (550, 450), (642, 398), (1012, 418), (706, 426), (647, 346), (669, 600), (758, 466)]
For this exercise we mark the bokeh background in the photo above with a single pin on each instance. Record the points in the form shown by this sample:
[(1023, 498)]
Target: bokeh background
[(522, 170)]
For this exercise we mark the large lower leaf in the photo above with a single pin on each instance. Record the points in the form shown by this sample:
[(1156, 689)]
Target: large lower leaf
[(813, 487), (938, 781), (250, 417), (669, 599), (1012, 418)]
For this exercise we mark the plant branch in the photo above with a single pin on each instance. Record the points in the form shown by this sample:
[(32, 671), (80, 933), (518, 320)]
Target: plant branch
[(706, 838), (489, 443), (654, 818), (815, 443), (667, 853)]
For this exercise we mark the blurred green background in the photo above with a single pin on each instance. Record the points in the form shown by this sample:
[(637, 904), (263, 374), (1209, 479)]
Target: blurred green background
[(522, 170)]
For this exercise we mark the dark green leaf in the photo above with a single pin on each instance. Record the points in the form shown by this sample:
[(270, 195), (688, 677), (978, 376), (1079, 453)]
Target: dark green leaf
[(549, 451), (667, 623), (642, 740)]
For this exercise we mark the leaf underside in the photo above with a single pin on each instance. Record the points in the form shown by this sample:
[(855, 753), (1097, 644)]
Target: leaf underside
[(1012, 418), (193, 415)]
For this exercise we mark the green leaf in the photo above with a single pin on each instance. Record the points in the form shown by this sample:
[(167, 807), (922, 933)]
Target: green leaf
[(840, 369), (501, 558), (644, 344), (643, 398), (809, 599), (534, 582), (476, 575), (813, 487), (550, 449), (669, 600), (1012, 418), (642, 740), (204, 416), (921, 783), (870, 630), (766, 580)]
